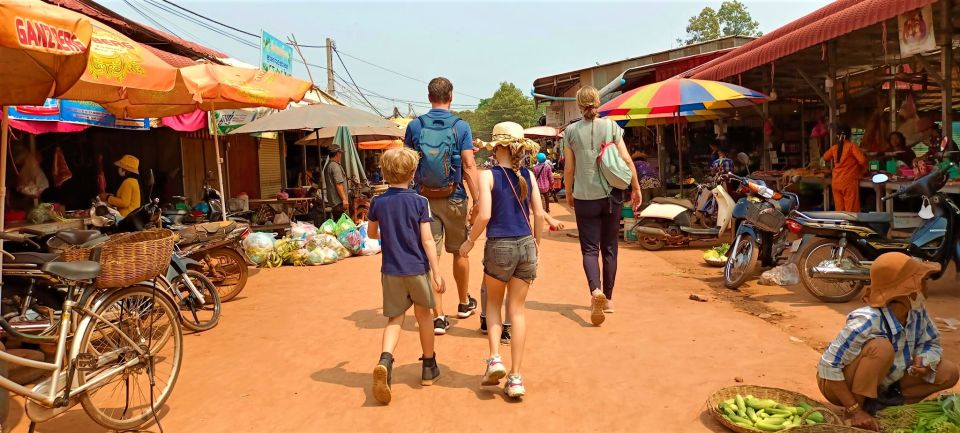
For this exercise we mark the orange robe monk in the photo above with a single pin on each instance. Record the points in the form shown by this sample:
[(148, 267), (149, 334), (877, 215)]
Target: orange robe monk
[(848, 167)]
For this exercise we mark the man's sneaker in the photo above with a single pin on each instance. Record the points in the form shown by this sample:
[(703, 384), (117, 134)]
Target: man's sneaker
[(383, 378), (483, 324), (514, 386), (495, 371), (430, 370), (441, 325), (505, 335), (597, 302), (467, 310)]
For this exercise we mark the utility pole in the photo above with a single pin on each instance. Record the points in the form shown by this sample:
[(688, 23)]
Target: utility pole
[(330, 47)]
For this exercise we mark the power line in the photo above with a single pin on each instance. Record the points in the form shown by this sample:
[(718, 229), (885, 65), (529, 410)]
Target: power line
[(355, 82), (399, 73), (149, 18), (209, 19)]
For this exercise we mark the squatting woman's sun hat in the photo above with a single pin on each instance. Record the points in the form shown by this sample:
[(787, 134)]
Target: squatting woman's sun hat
[(896, 274), (129, 163)]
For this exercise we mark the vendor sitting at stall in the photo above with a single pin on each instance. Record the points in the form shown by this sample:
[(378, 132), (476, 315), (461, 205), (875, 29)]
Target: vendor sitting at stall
[(898, 145), (888, 353), (127, 198), (849, 164)]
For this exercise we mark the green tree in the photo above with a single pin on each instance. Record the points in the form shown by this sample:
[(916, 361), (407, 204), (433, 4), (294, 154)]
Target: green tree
[(732, 19), (508, 104)]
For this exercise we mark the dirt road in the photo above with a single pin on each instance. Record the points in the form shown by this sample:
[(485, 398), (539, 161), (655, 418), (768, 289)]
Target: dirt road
[(294, 353)]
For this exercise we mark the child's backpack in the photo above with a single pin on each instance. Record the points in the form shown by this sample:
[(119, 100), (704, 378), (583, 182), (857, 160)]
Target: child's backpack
[(440, 171)]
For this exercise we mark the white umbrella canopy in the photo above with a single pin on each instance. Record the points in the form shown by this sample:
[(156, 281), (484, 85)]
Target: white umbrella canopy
[(313, 117)]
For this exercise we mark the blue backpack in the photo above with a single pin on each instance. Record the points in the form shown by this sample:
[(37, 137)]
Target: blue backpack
[(440, 168)]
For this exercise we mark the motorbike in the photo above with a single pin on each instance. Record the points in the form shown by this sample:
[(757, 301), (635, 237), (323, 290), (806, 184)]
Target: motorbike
[(214, 205), (216, 251), (840, 247), (760, 234), (671, 221)]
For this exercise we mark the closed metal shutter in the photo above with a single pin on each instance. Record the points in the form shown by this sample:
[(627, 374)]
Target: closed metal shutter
[(270, 173)]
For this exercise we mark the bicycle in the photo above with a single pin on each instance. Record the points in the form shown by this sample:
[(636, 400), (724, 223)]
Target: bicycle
[(122, 345)]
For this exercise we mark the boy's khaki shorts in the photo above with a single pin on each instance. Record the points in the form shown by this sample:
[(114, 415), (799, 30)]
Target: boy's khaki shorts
[(399, 293)]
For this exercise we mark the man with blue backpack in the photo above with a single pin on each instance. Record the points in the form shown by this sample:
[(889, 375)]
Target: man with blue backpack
[(445, 144)]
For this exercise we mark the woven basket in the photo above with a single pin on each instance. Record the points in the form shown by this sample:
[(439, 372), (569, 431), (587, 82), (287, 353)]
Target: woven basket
[(129, 258), (827, 428), (781, 396)]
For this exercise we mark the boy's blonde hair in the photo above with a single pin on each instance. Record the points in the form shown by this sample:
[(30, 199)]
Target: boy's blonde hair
[(399, 165)]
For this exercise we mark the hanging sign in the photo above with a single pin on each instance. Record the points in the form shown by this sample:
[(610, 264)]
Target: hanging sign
[(275, 55), (228, 120), (78, 112), (916, 31)]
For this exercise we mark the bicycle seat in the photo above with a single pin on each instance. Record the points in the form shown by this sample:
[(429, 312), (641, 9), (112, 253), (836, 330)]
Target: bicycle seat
[(77, 237), (33, 258), (864, 217), (75, 271), (674, 201)]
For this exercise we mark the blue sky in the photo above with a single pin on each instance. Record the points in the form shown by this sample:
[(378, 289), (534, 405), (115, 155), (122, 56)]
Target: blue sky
[(475, 44)]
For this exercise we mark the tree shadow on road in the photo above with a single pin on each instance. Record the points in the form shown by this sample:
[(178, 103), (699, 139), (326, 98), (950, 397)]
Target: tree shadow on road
[(405, 377), (565, 310)]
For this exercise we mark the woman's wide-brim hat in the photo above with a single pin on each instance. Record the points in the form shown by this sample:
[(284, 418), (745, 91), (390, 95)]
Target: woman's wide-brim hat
[(509, 134), (129, 163), (896, 274)]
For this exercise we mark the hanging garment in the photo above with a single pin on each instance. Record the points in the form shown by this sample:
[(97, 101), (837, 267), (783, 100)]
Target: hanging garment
[(61, 172)]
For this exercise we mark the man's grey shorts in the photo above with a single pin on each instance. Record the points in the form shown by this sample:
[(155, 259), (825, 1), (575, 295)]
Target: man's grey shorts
[(506, 258), (449, 224)]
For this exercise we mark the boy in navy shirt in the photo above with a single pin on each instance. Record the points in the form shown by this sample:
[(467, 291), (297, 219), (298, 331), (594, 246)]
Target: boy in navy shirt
[(401, 219)]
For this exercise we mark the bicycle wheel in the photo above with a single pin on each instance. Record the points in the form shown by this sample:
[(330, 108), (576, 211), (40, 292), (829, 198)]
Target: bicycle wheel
[(132, 396), (196, 315)]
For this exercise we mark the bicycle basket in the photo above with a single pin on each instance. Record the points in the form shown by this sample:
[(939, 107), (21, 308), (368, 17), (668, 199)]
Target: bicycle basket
[(765, 217), (130, 258)]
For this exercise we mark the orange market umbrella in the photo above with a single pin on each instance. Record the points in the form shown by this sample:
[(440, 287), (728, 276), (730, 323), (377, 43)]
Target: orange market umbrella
[(43, 49)]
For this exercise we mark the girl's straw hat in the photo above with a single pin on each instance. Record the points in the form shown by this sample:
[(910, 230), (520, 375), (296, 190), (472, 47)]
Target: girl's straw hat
[(510, 134)]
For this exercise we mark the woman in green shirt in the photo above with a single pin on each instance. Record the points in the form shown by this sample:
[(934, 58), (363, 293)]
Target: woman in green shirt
[(596, 205)]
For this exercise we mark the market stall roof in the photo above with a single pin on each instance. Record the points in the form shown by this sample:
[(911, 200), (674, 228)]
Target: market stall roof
[(367, 132), (829, 22), (172, 59)]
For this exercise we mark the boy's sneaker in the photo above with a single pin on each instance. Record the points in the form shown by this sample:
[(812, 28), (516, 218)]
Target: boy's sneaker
[(483, 324), (495, 371), (505, 335), (430, 370), (514, 386), (383, 378), (467, 310), (441, 325)]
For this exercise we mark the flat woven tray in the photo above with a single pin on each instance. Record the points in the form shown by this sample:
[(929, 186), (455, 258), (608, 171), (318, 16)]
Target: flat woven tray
[(781, 396)]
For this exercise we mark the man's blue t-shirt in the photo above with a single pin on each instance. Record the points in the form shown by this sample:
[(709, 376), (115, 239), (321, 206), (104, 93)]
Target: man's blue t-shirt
[(464, 138), (399, 212)]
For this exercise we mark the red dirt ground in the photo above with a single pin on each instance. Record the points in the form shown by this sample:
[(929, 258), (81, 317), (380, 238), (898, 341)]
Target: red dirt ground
[(294, 353)]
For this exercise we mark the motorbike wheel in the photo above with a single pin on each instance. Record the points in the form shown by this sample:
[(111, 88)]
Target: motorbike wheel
[(227, 270), (651, 243), (830, 291), (741, 261), (194, 315)]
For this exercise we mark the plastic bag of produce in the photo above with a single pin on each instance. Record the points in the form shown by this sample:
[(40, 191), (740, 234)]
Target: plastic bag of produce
[(302, 231), (297, 257), (370, 247), (259, 240), (363, 230), (784, 275), (328, 227), (351, 240), (344, 224), (258, 255)]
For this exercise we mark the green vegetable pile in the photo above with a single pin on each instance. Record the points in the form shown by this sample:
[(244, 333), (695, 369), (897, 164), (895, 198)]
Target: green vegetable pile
[(932, 416), (767, 415), (717, 253)]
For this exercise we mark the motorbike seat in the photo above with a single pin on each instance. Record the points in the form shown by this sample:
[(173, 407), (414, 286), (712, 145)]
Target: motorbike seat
[(682, 202), (74, 271), (712, 231), (77, 237), (33, 258), (863, 217)]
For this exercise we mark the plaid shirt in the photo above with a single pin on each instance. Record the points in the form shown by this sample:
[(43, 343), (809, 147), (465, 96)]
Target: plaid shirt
[(918, 338), (723, 165)]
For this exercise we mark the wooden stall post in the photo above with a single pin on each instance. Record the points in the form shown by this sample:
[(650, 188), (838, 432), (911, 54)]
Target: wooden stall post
[(946, 67), (661, 160)]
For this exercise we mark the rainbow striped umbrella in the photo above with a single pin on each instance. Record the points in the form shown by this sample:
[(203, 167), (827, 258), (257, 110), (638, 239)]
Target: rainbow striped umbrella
[(629, 120), (674, 97)]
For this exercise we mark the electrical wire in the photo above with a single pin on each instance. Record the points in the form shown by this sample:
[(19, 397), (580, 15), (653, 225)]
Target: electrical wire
[(398, 73), (210, 19), (149, 18), (355, 82)]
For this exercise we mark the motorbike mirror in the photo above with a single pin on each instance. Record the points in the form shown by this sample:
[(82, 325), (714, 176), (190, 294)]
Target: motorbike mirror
[(794, 179), (880, 178)]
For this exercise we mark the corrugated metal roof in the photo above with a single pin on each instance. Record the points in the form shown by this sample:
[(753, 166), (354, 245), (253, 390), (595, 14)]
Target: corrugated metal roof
[(833, 20), (174, 60), (113, 19)]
